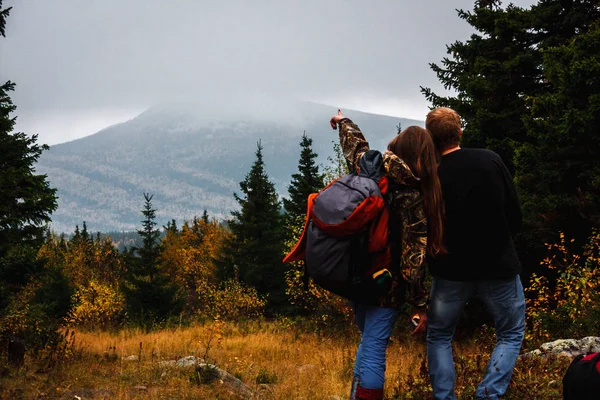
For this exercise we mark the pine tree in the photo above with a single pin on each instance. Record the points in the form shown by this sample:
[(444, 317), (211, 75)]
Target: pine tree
[(26, 203), (84, 232), (149, 251), (26, 199), (171, 227), (205, 217), (559, 170), (77, 234), (526, 86), (306, 181), (255, 251), (556, 23), (493, 73), (150, 294)]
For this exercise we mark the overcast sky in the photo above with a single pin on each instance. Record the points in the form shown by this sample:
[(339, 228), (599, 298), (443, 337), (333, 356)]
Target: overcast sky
[(83, 65)]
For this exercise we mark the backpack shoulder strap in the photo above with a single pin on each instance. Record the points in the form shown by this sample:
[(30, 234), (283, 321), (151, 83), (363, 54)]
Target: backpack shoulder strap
[(299, 250)]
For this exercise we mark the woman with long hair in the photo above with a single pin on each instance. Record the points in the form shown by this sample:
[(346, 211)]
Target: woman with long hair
[(416, 230)]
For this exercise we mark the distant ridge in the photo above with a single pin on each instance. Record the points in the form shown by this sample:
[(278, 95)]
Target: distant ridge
[(190, 158)]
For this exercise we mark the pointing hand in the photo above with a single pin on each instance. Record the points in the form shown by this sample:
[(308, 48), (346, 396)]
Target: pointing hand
[(335, 119)]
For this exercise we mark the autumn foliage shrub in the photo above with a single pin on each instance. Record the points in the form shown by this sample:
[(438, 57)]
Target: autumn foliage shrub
[(93, 269), (565, 300), (31, 320), (234, 301), (34, 314), (188, 256), (97, 306)]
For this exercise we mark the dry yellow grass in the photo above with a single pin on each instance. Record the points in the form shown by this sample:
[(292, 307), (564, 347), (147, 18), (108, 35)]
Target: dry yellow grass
[(275, 360), (300, 365)]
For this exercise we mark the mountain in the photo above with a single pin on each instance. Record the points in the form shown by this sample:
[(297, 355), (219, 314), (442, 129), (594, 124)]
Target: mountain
[(190, 159)]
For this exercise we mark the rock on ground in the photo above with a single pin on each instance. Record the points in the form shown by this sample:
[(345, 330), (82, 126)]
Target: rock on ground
[(231, 382), (225, 378), (189, 361), (568, 347)]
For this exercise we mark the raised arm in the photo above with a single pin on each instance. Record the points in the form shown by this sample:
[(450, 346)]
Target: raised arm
[(352, 139)]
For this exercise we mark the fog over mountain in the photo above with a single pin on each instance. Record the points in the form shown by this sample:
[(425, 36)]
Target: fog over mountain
[(83, 65), (191, 157)]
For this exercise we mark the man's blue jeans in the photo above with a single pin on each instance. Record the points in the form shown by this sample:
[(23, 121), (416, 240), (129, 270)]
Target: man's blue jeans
[(376, 325), (506, 302)]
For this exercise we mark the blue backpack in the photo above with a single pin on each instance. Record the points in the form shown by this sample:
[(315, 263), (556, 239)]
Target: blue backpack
[(345, 244)]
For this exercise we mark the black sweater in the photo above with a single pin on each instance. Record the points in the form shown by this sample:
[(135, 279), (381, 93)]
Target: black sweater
[(482, 216)]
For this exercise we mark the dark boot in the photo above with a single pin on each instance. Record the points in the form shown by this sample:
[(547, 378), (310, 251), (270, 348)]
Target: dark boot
[(369, 394), (355, 382)]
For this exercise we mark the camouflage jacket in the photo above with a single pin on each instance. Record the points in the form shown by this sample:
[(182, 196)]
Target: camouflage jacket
[(408, 225)]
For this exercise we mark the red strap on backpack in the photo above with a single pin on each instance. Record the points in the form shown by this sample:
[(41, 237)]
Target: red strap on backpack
[(299, 250)]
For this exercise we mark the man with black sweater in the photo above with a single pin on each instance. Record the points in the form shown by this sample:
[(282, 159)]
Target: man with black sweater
[(482, 216)]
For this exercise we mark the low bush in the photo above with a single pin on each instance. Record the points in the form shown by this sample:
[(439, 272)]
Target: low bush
[(564, 302)]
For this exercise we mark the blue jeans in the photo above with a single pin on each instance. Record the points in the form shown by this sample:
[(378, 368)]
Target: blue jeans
[(506, 302), (376, 325)]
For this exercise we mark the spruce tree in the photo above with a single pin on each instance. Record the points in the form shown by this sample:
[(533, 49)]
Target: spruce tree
[(255, 250), (149, 251), (171, 227), (306, 181), (492, 72), (526, 86), (26, 198), (559, 169), (26, 203), (556, 23), (150, 294)]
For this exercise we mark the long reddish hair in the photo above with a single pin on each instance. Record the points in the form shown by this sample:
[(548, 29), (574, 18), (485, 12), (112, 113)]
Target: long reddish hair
[(415, 146)]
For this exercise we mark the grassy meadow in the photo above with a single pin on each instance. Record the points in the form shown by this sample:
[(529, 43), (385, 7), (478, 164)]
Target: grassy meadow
[(277, 361)]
